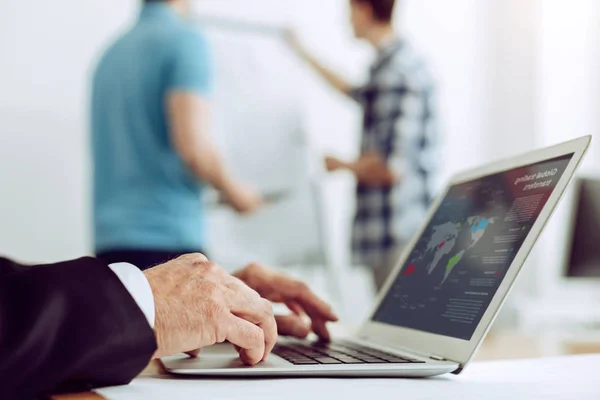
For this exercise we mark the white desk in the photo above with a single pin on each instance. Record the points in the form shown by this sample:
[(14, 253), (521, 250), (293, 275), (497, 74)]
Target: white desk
[(573, 377)]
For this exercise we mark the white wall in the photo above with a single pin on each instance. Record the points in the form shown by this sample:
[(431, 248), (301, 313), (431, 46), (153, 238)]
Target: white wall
[(568, 75), (46, 50), (511, 86), (453, 36)]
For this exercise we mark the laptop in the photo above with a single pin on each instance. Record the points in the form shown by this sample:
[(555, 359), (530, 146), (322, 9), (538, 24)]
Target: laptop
[(446, 290)]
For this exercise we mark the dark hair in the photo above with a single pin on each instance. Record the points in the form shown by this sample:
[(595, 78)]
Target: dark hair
[(383, 10)]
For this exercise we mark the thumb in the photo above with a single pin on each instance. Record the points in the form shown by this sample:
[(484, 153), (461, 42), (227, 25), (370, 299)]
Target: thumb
[(292, 325), (194, 353)]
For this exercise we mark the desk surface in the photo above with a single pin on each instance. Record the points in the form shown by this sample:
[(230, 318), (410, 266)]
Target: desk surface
[(507, 346), (562, 378)]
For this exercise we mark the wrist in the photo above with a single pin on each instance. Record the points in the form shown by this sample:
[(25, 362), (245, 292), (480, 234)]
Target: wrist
[(158, 335), (227, 187), (158, 314), (351, 166)]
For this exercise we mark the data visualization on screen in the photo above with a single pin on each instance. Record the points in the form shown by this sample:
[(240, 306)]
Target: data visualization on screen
[(459, 262)]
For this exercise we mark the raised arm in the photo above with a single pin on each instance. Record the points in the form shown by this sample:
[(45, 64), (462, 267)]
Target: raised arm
[(332, 78), (371, 170)]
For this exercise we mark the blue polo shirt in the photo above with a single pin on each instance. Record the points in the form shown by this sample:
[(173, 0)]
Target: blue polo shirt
[(145, 197)]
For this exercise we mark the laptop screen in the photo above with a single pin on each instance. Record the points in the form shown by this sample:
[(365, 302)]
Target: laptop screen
[(456, 267)]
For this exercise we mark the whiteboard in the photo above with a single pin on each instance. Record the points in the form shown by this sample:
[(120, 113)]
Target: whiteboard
[(258, 122)]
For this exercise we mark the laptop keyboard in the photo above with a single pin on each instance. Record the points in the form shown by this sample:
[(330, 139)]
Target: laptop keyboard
[(337, 353)]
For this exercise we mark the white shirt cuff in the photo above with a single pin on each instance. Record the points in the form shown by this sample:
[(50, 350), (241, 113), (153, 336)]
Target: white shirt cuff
[(138, 286)]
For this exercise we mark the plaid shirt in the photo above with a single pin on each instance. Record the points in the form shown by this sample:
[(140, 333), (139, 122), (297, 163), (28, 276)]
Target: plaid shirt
[(398, 125)]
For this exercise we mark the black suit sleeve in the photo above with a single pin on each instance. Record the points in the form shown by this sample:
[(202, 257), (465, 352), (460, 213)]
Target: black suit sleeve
[(8, 267), (68, 327)]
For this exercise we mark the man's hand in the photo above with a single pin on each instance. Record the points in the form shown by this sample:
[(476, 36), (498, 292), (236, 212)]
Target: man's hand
[(198, 304), (334, 164), (368, 166), (243, 199), (279, 288), (371, 170)]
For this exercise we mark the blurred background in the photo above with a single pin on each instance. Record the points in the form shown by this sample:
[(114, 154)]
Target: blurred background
[(512, 75)]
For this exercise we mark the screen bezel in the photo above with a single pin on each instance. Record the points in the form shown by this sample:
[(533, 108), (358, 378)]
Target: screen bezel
[(459, 350)]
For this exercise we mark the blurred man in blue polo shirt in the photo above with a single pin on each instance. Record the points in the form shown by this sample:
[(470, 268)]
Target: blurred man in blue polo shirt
[(151, 141)]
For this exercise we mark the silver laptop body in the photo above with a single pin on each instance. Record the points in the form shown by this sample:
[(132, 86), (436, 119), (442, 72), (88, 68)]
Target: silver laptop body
[(446, 290)]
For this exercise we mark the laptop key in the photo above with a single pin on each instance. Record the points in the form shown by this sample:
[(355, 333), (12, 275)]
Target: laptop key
[(335, 354), (358, 355), (313, 355), (350, 360), (328, 360), (397, 360), (305, 362), (373, 360)]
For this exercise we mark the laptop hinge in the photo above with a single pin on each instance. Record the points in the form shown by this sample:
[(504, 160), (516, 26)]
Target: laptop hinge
[(438, 358)]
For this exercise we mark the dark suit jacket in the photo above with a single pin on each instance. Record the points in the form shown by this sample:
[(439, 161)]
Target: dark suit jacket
[(68, 327)]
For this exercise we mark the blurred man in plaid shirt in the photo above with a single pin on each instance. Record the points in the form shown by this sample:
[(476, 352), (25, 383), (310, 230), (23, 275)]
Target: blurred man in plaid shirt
[(394, 171)]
